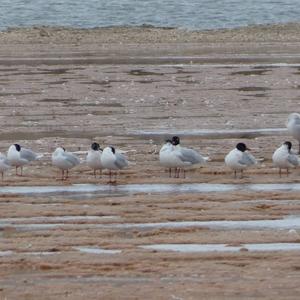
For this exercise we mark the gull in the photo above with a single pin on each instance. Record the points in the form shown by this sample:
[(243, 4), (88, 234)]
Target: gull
[(93, 158), (185, 157), (239, 159), (293, 126), (284, 158), (113, 161), (4, 164), (167, 157), (19, 156), (64, 160)]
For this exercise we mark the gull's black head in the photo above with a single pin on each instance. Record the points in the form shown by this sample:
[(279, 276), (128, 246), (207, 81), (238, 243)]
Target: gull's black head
[(289, 145), (18, 147), (242, 147), (113, 149), (63, 149), (95, 146), (175, 140)]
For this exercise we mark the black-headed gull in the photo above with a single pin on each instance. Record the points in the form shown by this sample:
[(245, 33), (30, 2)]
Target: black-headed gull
[(293, 126), (19, 156), (284, 158), (64, 161), (93, 158), (166, 156), (4, 164), (186, 157), (239, 159), (113, 161)]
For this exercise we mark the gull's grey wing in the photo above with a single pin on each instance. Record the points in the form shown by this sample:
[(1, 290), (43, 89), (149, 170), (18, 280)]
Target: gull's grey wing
[(71, 158), (121, 161), (247, 159), (293, 159), (4, 159), (190, 156), (28, 154)]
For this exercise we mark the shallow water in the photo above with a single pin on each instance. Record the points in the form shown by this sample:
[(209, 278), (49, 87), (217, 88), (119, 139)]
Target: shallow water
[(213, 134), (39, 253), (291, 222), (94, 189), (56, 219), (6, 253), (195, 248), (278, 224), (96, 250)]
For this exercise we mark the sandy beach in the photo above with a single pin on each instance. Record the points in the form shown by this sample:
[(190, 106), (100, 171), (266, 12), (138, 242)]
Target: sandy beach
[(133, 88)]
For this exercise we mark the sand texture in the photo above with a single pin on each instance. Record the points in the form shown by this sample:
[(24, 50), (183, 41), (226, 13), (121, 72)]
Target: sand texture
[(132, 88)]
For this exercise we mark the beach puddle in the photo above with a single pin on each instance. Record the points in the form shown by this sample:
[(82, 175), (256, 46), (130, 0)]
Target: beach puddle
[(38, 253), (288, 223), (198, 248), (6, 253), (96, 250), (81, 191), (291, 222), (39, 219), (211, 133)]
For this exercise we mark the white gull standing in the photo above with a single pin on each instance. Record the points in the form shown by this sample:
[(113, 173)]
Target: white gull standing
[(64, 161), (186, 157), (19, 156), (167, 157), (293, 126), (239, 159), (93, 158), (4, 164), (113, 161), (284, 158)]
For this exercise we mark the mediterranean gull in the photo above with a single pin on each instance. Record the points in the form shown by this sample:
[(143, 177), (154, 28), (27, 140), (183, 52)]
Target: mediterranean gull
[(64, 160), (239, 158), (284, 158)]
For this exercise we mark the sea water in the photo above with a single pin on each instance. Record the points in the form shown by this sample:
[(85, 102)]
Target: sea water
[(188, 14)]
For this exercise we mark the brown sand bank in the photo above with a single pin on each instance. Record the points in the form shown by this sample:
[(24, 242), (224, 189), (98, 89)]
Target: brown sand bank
[(72, 87)]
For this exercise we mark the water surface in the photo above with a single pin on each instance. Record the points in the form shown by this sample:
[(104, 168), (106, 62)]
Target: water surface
[(89, 190), (198, 248), (199, 14)]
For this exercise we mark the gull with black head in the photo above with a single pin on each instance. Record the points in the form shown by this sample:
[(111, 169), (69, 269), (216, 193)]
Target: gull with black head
[(93, 158), (113, 161), (19, 156), (239, 159), (285, 158), (185, 157), (64, 161), (167, 158)]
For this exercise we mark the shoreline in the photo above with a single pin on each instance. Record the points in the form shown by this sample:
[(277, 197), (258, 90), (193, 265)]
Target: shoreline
[(286, 32)]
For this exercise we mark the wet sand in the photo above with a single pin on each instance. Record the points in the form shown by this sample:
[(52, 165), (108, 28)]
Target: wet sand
[(132, 88)]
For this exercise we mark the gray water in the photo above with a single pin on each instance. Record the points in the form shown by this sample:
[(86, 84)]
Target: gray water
[(198, 248), (189, 14), (85, 191), (288, 223)]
